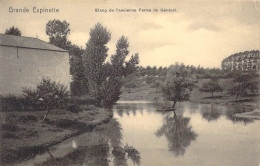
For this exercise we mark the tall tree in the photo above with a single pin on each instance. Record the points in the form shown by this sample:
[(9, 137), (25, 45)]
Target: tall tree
[(178, 84), (118, 60), (95, 55), (77, 70), (13, 31), (58, 32)]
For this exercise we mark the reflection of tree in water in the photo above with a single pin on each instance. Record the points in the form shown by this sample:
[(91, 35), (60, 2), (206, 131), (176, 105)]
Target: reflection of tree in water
[(128, 109), (232, 110), (210, 112), (108, 137), (193, 107), (178, 133)]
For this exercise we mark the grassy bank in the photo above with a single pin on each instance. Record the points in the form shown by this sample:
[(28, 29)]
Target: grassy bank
[(145, 92), (24, 134)]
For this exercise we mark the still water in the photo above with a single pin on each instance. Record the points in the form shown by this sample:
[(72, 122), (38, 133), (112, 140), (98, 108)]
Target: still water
[(197, 134)]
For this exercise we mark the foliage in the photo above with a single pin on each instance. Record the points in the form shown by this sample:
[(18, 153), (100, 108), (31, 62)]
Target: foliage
[(118, 60), (211, 86), (150, 80), (77, 70), (131, 81), (178, 84), (47, 95), (152, 71), (58, 32), (13, 31), (131, 65), (111, 90), (95, 55), (242, 83), (13, 103), (157, 83)]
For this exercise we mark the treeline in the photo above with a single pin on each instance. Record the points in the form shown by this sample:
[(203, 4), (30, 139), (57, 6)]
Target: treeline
[(199, 72)]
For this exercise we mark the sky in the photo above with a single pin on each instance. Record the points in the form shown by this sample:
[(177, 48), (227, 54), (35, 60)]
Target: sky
[(201, 32)]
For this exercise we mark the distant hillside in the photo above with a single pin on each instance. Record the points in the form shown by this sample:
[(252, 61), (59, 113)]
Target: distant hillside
[(248, 60)]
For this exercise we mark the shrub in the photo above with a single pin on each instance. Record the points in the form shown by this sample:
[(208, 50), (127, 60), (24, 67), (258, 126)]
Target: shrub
[(111, 91), (47, 95), (13, 103)]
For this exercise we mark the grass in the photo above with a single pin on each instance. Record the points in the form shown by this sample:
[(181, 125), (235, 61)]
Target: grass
[(24, 134), (145, 92)]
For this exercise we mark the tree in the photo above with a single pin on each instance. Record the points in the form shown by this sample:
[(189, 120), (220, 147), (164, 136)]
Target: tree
[(77, 70), (178, 84), (131, 65), (242, 83), (58, 33), (48, 94), (95, 55), (211, 86), (130, 82), (118, 60), (157, 84), (13, 31), (110, 91)]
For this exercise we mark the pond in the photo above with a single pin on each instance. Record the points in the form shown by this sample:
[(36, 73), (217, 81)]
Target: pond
[(137, 134)]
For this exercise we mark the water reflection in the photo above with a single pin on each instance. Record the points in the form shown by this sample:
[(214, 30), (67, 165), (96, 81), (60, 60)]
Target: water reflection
[(232, 110), (178, 133), (100, 147), (128, 109), (210, 112)]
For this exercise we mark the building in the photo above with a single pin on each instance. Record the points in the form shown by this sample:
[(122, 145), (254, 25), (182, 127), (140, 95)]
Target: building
[(24, 61), (248, 60)]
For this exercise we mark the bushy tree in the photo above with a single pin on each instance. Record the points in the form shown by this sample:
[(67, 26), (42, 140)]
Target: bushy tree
[(178, 84), (48, 94), (110, 91), (95, 55), (58, 32), (211, 86), (243, 82), (13, 31), (150, 80), (132, 64), (131, 81), (157, 83)]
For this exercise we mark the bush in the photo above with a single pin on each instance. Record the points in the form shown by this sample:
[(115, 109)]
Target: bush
[(47, 95), (13, 103), (111, 91)]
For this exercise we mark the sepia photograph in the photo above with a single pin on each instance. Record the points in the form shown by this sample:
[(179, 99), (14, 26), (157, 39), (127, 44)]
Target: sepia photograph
[(129, 83)]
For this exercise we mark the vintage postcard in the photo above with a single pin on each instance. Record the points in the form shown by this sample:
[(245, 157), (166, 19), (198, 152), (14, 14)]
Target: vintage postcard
[(133, 82)]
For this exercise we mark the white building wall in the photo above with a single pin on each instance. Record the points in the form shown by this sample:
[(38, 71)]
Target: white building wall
[(24, 67)]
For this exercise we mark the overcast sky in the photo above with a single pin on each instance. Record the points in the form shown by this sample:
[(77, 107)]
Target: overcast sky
[(199, 33)]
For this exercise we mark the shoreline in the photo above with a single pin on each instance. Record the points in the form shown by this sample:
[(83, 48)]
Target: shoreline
[(14, 151)]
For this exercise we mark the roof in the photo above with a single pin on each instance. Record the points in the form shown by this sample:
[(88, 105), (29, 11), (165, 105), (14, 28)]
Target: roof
[(27, 42)]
